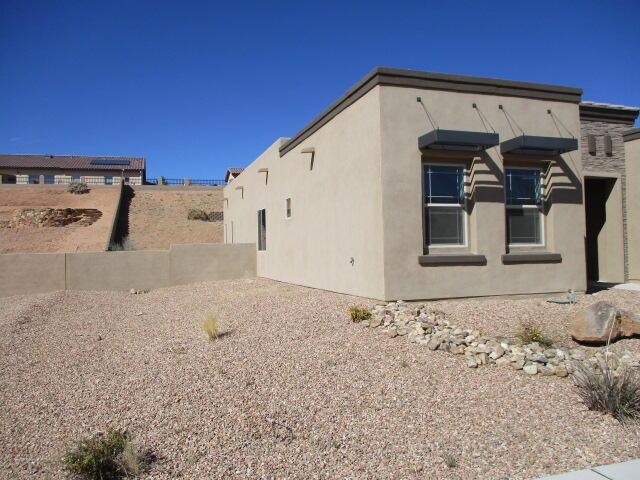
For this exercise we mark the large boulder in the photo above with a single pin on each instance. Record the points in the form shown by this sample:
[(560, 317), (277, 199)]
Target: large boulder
[(602, 321)]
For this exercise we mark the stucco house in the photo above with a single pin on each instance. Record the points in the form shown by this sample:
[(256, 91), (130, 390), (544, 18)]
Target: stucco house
[(63, 169), (417, 185)]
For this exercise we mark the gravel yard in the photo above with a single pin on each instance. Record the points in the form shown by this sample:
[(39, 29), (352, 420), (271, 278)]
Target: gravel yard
[(292, 390), (503, 316)]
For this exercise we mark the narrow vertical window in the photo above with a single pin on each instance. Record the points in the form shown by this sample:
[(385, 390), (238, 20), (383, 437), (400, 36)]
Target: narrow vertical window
[(444, 215), (591, 142), (288, 208), (524, 206), (608, 145), (262, 229)]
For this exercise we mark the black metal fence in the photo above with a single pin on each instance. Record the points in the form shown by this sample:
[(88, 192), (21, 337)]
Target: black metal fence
[(186, 182), (211, 183)]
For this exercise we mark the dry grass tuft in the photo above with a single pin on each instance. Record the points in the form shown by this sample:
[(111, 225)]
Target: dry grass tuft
[(359, 314), (617, 394), (211, 325), (530, 332)]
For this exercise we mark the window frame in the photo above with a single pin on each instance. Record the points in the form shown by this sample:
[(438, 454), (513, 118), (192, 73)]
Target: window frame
[(288, 212), (262, 227), (463, 206), (539, 207)]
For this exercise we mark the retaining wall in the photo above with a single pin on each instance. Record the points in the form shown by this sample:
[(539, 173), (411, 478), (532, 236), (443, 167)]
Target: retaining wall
[(142, 270)]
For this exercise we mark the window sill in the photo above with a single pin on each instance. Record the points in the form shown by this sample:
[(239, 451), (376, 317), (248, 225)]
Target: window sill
[(451, 259), (531, 257)]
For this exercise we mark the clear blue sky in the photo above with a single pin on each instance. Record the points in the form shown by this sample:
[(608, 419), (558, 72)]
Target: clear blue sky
[(196, 87)]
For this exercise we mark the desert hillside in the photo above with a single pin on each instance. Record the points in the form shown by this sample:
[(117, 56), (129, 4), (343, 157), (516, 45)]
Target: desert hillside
[(158, 217), (42, 219)]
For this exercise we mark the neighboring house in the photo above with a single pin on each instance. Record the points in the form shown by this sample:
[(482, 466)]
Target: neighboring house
[(63, 169), (232, 173), (416, 185)]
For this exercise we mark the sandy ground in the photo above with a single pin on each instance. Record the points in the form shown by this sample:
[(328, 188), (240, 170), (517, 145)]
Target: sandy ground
[(292, 390), (72, 238), (158, 218)]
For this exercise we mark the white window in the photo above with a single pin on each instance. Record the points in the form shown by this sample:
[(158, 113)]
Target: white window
[(262, 229), (444, 213), (288, 208), (524, 206)]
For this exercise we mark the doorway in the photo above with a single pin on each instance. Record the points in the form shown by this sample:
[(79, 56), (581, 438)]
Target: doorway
[(604, 247)]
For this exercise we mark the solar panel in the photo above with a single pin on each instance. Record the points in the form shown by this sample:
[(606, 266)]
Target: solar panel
[(107, 161)]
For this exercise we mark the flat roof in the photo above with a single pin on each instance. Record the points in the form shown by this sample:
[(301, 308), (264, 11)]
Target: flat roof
[(71, 162), (608, 113), (433, 81), (633, 134)]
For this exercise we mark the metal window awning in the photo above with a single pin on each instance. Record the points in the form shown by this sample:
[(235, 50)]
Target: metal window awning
[(457, 140), (534, 145)]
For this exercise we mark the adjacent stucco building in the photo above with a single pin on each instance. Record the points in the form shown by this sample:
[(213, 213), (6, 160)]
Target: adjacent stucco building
[(64, 169), (416, 185), (632, 161)]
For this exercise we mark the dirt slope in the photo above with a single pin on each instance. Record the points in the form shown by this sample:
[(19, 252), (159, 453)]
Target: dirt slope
[(69, 238), (158, 217)]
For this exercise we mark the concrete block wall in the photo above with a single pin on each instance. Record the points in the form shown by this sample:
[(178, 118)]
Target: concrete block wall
[(142, 270), (601, 162)]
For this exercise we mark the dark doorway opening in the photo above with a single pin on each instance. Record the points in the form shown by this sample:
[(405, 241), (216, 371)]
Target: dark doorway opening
[(596, 194)]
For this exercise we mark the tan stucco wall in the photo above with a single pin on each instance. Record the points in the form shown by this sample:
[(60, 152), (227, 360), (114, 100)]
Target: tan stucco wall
[(632, 160), (181, 264), (363, 199), (336, 207), (403, 121)]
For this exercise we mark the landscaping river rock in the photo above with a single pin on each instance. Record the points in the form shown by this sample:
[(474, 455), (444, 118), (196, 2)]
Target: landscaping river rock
[(428, 327)]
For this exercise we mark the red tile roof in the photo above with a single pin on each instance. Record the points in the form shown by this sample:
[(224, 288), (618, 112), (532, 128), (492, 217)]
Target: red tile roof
[(68, 162)]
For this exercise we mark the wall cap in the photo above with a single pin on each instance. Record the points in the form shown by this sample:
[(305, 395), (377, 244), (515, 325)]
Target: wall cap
[(629, 135), (433, 81)]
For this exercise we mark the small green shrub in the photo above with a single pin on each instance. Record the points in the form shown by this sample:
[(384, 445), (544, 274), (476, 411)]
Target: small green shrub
[(608, 392), (211, 325), (529, 332), (106, 456), (359, 314), (78, 188), (197, 214), (450, 460)]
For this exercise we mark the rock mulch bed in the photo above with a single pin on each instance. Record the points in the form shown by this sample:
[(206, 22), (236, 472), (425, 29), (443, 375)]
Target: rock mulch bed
[(52, 217), (290, 391), (428, 327)]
